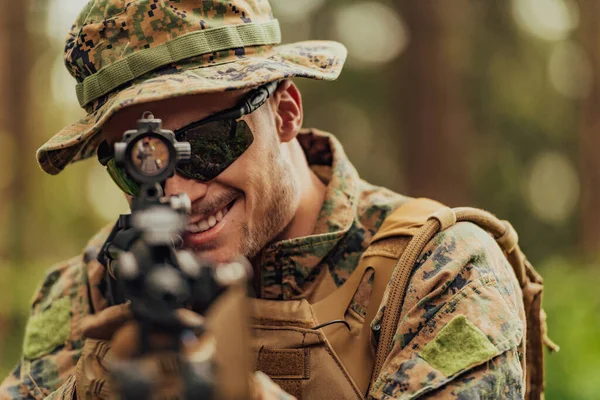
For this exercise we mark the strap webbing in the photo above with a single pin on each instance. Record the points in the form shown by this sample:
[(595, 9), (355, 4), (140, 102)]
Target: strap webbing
[(186, 46)]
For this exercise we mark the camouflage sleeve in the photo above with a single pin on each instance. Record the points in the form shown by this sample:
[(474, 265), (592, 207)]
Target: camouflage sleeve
[(461, 334), (53, 340), (500, 378)]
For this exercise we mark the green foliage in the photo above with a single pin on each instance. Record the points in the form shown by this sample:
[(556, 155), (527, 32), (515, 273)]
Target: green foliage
[(573, 307)]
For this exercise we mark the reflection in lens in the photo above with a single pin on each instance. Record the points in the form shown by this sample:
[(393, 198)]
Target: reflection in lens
[(215, 146), (150, 155)]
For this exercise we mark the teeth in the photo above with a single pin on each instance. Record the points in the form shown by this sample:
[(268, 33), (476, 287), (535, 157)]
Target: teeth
[(203, 226), (193, 228), (207, 223)]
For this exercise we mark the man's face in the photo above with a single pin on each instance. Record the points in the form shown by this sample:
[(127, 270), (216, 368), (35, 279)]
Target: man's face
[(252, 201)]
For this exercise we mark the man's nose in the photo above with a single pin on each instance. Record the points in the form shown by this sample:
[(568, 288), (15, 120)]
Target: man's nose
[(179, 184)]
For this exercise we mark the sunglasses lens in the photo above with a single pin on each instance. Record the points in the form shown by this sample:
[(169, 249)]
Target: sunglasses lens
[(215, 146), (119, 176)]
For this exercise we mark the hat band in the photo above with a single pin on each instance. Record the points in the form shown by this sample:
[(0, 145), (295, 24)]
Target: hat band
[(186, 46)]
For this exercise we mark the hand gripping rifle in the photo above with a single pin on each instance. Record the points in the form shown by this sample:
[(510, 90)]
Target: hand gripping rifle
[(188, 337)]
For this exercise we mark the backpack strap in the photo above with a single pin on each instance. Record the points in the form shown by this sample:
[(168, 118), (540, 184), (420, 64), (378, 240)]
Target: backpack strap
[(354, 348), (530, 281)]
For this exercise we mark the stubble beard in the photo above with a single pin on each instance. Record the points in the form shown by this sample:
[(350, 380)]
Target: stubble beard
[(279, 200), (279, 211)]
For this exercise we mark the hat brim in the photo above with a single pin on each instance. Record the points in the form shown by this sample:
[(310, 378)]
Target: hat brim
[(310, 59)]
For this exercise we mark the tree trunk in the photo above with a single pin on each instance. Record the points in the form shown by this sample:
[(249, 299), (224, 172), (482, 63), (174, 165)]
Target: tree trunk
[(6, 202), (17, 67), (14, 89), (430, 100), (589, 135)]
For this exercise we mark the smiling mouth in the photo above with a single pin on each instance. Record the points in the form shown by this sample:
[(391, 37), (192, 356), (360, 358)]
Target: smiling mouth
[(210, 221)]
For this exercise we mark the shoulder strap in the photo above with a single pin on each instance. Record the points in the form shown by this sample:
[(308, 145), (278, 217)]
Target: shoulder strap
[(529, 280), (354, 350)]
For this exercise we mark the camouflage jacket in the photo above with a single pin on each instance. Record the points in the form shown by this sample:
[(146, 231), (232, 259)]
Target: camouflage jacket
[(461, 337)]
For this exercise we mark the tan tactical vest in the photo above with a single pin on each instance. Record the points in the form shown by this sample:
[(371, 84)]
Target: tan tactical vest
[(313, 351), (311, 359)]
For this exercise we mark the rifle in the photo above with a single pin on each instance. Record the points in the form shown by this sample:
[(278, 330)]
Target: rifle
[(168, 350)]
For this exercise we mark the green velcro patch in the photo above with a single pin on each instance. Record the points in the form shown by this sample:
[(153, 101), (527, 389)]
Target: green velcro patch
[(459, 345), (47, 330)]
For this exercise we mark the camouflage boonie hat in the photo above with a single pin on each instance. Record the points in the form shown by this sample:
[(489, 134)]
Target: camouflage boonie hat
[(125, 52)]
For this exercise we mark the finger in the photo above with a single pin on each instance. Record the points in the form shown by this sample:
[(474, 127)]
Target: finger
[(103, 325)]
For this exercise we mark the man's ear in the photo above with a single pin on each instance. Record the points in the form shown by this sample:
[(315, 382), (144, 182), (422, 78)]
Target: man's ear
[(287, 107)]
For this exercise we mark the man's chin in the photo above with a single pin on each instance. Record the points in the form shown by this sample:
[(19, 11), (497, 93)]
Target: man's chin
[(216, 255)]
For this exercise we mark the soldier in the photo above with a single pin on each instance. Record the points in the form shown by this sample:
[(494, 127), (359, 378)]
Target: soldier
[(285, 197)]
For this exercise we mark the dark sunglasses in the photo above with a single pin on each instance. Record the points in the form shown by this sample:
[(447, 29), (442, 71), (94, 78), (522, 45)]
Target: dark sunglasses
[(216, 142)]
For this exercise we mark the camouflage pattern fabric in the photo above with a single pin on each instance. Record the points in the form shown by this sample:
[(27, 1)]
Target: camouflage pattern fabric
[(461, 275), (112, 40)]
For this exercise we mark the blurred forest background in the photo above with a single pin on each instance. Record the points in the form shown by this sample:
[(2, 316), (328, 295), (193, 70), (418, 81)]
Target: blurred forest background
[(488, 103)]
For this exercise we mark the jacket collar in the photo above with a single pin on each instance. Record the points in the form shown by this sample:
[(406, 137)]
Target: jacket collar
[(288, 267)]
